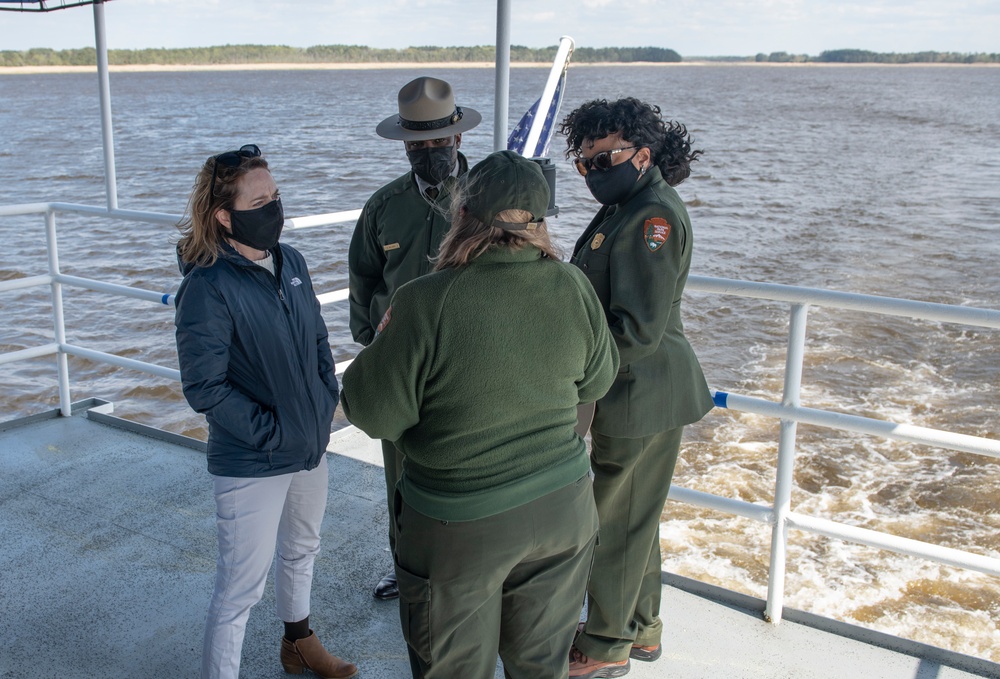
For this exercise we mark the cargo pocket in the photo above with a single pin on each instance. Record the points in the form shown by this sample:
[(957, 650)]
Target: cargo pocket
[(415, 611)]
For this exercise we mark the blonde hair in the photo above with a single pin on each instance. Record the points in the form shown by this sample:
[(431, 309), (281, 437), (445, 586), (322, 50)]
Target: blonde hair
[(469, 237), (201, 232)]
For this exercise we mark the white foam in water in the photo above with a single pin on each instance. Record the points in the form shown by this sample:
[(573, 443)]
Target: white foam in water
[(899, 487)]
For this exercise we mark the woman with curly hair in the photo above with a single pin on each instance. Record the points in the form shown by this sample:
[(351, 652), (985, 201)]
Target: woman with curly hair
[(636, 253)]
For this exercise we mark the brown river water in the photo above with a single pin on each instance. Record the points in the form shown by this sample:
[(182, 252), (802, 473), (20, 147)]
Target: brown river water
[(878, 180)]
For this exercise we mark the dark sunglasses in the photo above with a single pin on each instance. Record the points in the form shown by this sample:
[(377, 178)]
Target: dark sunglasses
[(232, 159), (601, 161)]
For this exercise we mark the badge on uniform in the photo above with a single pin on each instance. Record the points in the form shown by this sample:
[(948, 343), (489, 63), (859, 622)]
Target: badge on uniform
[(655, 233), (596, 243), (384, 322)]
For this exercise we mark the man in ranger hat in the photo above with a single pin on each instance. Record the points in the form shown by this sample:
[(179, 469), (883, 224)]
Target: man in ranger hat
[(402, 225)]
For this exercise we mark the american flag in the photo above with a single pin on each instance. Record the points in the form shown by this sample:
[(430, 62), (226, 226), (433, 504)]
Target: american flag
[(519, 135)]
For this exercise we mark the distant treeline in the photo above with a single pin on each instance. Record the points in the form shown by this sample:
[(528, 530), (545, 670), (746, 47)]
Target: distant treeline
[(866, 57), (354, 54), (280, 54)]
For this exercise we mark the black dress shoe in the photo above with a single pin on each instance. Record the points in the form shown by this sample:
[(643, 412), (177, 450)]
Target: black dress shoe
[(386, 587)]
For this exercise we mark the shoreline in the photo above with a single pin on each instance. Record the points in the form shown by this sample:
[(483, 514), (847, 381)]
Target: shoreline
[(370, 66)]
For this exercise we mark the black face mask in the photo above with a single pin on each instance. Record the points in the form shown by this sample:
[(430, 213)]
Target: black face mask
[(433, 164), (258, 228), (611, 187)]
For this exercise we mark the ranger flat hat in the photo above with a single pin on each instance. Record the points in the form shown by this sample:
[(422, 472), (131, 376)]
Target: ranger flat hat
[(427, 111), (505, 180)]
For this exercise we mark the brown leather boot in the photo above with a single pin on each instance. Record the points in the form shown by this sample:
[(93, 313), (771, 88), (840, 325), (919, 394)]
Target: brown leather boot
[(309, 654)]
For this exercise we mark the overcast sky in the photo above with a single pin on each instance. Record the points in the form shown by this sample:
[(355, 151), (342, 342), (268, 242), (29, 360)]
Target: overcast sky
[(691, 27)]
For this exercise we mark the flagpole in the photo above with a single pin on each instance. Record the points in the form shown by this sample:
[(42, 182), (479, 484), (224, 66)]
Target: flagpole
[(559, 66)]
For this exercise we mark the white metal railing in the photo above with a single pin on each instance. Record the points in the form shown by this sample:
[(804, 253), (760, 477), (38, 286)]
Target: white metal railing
[(56, 280), (789, 411)]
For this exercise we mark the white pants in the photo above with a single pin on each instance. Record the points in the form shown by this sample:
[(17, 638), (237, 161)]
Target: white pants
[(253, 516)]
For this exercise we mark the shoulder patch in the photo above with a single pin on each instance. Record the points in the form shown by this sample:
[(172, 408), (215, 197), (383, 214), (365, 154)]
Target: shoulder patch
[(655, 233), (384, 322)]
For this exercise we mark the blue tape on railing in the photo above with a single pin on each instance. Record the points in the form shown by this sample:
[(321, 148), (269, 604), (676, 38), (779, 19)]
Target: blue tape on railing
[(720, 398), (165, 299)]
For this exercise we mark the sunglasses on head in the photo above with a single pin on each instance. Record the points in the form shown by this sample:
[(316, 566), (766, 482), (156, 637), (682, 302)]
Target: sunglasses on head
[(601, 161), (232, 159)]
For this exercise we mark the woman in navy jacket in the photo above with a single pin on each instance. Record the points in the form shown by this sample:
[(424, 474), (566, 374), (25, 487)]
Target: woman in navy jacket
[(255, 359)]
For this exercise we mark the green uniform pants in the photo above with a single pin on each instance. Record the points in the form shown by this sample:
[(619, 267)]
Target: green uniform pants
[(511, 583), (631, 481), (393, 462)]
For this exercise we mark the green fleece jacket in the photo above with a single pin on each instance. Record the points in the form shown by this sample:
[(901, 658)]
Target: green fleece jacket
[(397, 234), (476, 374)]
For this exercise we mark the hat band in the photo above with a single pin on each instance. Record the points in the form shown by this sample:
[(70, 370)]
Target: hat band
[(420, 125), (516, 226)]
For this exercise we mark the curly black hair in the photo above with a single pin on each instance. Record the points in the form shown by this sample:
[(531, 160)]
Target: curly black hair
[(640, 124)]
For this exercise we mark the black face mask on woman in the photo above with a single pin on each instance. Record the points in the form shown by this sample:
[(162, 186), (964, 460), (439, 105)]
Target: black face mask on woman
[(612, 186), (259, 228), (433, 164)]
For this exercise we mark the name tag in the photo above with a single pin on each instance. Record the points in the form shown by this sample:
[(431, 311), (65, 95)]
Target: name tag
[(390, 246)]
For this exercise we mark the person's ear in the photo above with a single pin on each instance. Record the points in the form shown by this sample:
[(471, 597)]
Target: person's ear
[(458, 140), (643, 159), (224, 218)]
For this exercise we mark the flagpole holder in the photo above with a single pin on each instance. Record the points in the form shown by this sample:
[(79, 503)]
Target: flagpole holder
[(549, 172)]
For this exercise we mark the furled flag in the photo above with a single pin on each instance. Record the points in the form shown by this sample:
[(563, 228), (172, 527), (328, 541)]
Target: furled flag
[(519, 135)]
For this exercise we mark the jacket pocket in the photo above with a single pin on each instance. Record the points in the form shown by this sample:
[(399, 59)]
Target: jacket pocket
[(276, 435), (296, 428), (415, 611)]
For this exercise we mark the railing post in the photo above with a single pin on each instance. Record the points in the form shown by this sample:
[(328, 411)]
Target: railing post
[(58, 323), (786, 464)]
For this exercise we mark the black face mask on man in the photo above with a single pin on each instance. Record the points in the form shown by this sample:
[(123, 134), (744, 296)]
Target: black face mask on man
[(259, 228), (613, 185), (433, 164)]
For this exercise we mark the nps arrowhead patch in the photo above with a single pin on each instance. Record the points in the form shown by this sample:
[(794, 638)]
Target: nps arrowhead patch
[(655, 233)]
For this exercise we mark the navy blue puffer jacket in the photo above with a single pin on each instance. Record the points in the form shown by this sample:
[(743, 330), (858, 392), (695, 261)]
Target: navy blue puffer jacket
[(255, 359)]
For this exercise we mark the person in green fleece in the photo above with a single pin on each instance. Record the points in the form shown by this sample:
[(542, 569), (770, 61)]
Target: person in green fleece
[(636, 252), (402, 225), (476, 373)]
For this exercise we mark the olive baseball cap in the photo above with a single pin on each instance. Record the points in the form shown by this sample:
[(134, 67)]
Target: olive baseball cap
[(505, 180)]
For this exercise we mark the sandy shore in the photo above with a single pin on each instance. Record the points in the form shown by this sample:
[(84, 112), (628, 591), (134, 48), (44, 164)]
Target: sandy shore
[(168, 68)]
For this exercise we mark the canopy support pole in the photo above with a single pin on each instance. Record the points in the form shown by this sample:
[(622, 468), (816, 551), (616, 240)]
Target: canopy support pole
[(107, 135), (501, 96)]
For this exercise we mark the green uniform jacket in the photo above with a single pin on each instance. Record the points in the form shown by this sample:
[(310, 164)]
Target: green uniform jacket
[(476, 374), (636, 255), (397, 234)]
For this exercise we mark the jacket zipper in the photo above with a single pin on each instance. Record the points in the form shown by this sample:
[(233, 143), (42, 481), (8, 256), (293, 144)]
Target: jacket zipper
[(284, 305)]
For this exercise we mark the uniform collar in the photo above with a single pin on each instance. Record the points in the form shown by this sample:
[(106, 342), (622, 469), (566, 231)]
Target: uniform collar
[(652, 175), (497, 254)]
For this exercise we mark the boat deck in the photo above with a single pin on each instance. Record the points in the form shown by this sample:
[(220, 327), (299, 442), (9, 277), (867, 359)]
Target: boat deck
[(109, 553)]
